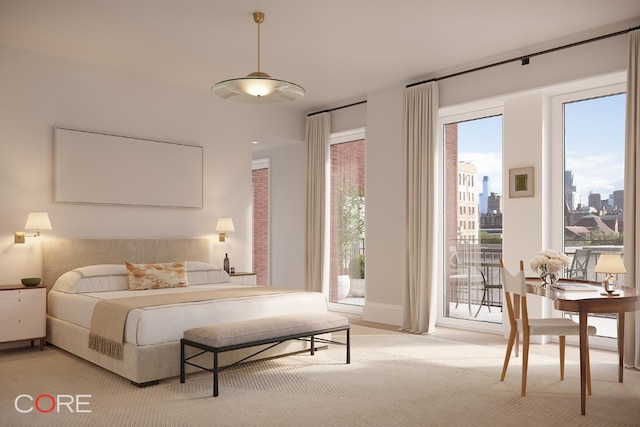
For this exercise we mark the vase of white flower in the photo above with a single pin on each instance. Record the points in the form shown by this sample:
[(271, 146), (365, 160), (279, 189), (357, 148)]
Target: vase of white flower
[(549, 264), (546, 277)]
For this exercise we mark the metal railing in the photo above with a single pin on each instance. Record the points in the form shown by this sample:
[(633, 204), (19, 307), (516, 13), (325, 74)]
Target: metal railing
[(473, 275)]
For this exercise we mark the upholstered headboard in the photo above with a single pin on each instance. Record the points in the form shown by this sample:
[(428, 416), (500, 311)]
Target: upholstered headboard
[(62, 255)]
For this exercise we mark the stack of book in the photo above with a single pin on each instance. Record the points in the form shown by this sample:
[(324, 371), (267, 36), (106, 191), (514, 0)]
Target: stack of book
[(575, 286)]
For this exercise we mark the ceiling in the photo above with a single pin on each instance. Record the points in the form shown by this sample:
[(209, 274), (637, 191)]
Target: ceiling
[(338, 50)]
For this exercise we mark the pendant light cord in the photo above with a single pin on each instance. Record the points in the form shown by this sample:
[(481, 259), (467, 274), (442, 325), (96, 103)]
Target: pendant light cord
[(258, 46)]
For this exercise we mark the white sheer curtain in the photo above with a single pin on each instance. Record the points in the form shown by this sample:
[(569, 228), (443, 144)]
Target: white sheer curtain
[(632, 196), (318, 131), (420, 150)]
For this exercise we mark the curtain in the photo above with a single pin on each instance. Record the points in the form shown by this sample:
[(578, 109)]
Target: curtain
[(419, 135), (318, 130), (631, 234)]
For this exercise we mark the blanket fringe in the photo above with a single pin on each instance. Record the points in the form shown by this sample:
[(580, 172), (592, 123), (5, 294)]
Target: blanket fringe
[(105, 346)]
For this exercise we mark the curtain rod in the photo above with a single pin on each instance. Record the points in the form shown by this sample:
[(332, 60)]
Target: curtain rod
[(337, 108), (525, 58)]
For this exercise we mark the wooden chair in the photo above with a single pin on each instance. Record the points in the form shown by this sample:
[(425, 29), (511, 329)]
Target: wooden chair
[(515, 289)]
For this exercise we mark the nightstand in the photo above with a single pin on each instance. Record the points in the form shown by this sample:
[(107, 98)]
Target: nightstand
[(244, 278), (23, 313)]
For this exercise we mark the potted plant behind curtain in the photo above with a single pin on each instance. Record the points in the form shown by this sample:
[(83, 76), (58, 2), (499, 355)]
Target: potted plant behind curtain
[(351, 236)]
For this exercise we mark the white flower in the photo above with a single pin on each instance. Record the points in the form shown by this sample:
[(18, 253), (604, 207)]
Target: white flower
[(551, 261)]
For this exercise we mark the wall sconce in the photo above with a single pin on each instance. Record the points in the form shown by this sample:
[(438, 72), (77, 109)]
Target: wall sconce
[(223, 227), (36, 221), (610, 264)]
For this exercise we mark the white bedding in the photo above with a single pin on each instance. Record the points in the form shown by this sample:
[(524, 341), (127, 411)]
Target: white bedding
[(159, 324)]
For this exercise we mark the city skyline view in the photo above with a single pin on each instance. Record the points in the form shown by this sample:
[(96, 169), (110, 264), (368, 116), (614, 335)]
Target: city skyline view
[(594, 146)]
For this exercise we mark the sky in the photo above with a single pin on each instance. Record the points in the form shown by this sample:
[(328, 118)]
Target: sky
[(594, 146), (480, 143)]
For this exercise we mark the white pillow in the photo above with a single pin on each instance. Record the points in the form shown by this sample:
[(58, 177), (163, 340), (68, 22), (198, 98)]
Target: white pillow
[(94, 278), (202, 273)]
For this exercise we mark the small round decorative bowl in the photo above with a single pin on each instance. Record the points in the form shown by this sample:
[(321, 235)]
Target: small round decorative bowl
[(31, 281)]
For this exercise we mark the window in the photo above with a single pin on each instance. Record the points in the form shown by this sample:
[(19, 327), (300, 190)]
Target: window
[(473, 243), (347, 218), (593, 192)]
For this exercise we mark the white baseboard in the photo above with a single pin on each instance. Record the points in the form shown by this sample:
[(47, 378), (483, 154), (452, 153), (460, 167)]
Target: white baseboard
[(387, 314)]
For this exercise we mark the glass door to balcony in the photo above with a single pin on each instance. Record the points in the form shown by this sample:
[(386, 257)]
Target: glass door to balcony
[(473, 203)]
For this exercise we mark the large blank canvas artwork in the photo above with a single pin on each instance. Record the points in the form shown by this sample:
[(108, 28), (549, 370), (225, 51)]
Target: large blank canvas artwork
[(106, 169)]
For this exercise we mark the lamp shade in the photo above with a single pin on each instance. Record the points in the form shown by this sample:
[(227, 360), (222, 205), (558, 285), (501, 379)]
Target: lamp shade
[(258, 87), (38, 221), (610, 264), (224, 225)]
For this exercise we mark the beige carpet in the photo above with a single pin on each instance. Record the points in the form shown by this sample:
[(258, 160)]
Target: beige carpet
[(395, 379)]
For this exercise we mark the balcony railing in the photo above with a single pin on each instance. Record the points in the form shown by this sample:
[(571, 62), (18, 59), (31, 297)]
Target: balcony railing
[(473, 278)]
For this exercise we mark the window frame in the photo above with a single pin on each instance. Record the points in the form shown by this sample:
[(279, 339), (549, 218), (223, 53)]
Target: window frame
[(557, 165), (483, 109), (338, 138)]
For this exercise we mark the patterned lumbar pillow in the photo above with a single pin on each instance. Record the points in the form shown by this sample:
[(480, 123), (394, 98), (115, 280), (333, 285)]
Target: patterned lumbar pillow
[(156, 276)]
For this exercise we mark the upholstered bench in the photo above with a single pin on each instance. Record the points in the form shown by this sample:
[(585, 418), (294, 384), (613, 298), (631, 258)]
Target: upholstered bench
[(249, 333)]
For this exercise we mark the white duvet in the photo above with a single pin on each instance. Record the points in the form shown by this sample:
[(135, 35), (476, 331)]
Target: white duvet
[(154, 325)]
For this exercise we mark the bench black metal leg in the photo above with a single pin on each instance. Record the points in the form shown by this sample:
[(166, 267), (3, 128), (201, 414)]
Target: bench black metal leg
[(348, 347), (274, 341), (181, 362), (215, 374)]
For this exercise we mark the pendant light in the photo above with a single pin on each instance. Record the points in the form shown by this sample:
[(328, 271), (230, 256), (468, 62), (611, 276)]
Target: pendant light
[(258, 87)]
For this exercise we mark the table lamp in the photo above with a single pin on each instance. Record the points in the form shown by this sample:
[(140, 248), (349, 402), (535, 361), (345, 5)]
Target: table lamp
[(610, 264)]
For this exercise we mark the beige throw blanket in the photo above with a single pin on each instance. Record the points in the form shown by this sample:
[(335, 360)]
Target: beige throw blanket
[(109, 316)]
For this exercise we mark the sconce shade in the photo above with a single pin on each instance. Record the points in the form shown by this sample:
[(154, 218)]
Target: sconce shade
[(38, 221), (224, 225), (610, 264)]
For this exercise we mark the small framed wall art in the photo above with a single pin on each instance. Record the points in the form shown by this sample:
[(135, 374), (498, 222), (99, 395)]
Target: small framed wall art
[(521, 182)]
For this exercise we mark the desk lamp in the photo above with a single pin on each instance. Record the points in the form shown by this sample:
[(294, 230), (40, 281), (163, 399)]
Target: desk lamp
[(610, 264)]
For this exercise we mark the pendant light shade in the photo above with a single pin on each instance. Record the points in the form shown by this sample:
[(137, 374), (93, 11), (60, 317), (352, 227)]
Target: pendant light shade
[(258, 87)]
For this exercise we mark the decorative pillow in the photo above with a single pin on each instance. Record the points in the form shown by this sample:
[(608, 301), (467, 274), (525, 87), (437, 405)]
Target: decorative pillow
[(93, 278), (202, 273), (156, 276)]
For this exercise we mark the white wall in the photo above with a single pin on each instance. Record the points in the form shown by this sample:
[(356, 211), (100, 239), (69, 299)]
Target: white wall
[(287, 179), (384, 188), (526, 225), (524, 228), (349, 118), (40, 92), (575, 63)]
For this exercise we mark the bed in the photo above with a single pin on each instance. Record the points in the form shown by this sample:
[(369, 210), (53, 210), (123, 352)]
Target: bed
[(83, 276)]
